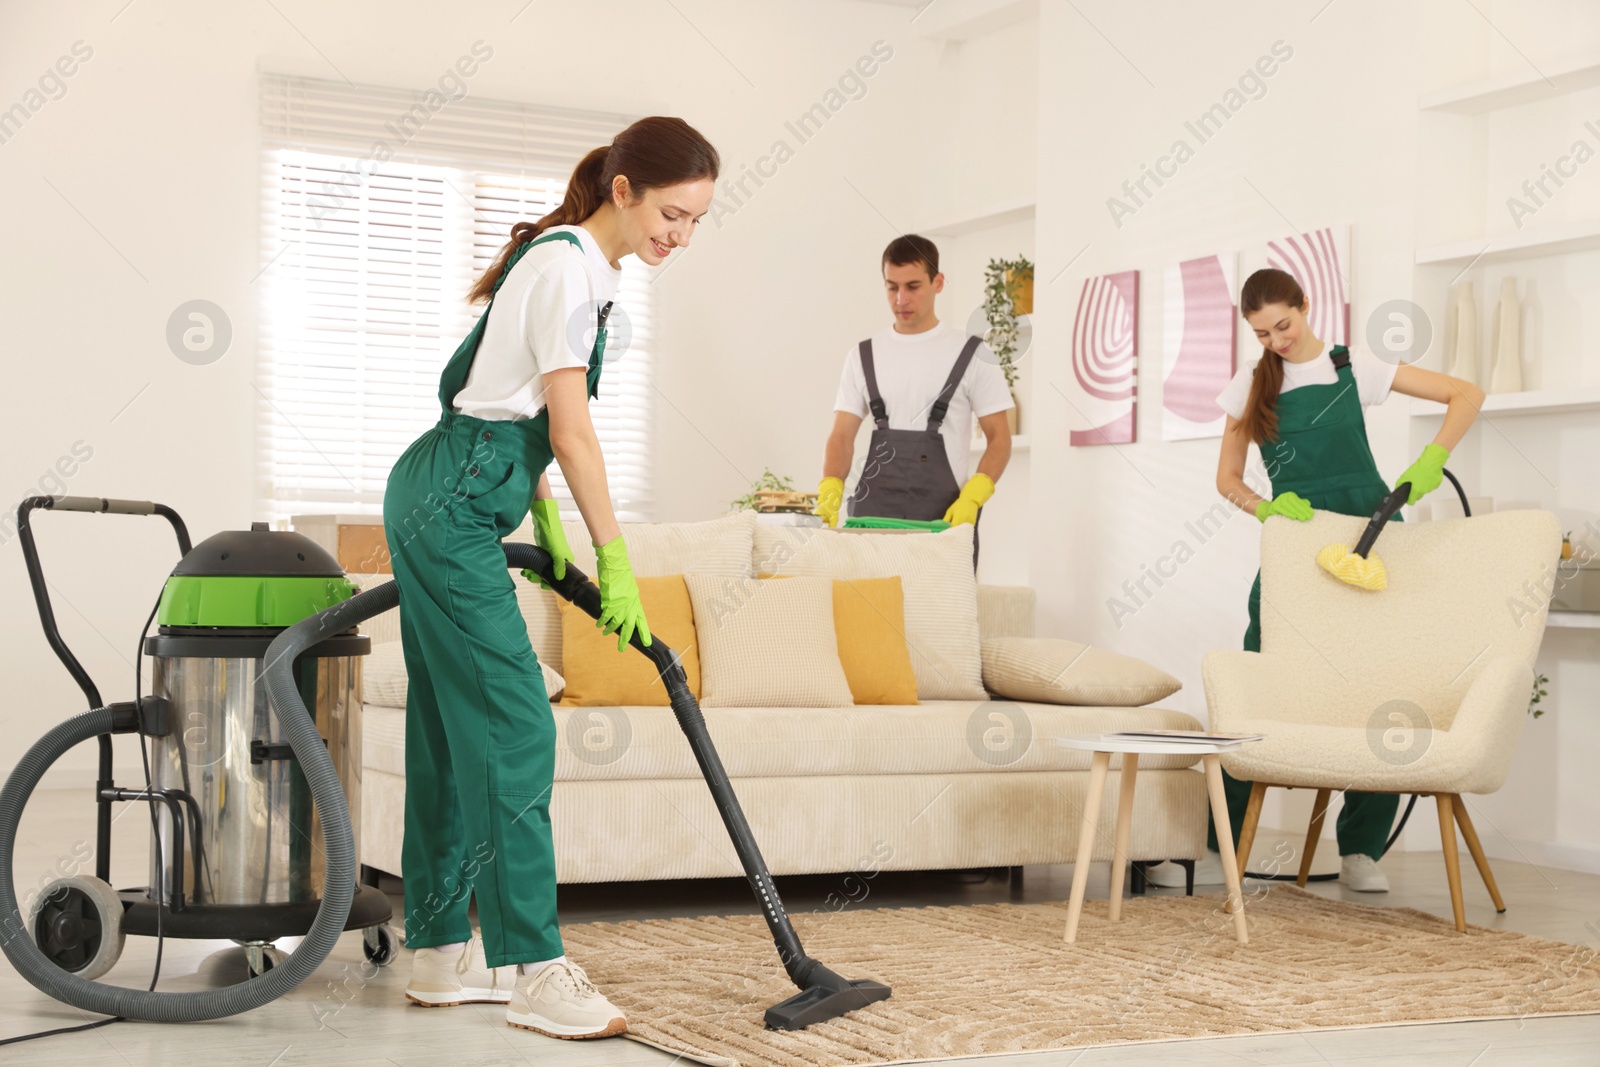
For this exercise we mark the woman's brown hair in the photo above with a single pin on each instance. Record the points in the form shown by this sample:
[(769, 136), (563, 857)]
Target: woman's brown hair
[(1270, 286), (652, 153)]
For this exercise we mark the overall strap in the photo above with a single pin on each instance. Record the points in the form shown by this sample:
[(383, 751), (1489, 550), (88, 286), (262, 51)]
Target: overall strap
[(940, 406), (1340, 356), (597, 354), (880, 414), (455, 373), (523, 248)]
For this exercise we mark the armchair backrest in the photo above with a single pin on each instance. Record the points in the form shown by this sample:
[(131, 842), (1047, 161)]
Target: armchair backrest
[(1461, 592)]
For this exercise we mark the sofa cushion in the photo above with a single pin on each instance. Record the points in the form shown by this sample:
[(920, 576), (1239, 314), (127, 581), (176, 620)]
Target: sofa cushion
[(1055, 671), (383, 676), (598, 674), (767, 644), (936, 737), (941, 592), (869, 619)]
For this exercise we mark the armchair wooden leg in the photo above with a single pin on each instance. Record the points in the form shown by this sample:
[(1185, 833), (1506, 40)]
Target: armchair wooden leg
[(1247, 832), (1473, 846), (1452, 857), (1319, 812)]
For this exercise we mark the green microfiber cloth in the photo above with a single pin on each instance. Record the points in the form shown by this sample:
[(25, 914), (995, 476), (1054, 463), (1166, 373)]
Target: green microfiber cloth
[(873, 522)]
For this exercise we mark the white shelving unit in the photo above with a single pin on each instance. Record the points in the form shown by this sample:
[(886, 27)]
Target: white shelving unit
[(1533, 402), (1510, 90), (1575, 620), (1545, 241), (998, 214)]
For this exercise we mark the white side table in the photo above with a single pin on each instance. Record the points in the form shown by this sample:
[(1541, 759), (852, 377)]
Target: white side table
[(1130, 750)]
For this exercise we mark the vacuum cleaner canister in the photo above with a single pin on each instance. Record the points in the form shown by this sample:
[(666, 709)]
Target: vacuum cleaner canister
[(221, 608)]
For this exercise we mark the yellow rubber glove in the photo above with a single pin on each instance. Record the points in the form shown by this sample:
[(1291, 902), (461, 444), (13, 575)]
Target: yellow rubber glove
[(1289, 505), (975, 494), (830, 498)]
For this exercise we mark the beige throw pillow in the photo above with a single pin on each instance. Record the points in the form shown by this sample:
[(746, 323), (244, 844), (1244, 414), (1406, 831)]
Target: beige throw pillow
[(1054, 671), (941, 592), (767, 644)]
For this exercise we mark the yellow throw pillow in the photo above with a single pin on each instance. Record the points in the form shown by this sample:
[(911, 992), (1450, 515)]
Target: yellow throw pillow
[(597, 675), (870, 620)]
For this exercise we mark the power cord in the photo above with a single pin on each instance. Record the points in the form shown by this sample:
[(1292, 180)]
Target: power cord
[(155, 833)]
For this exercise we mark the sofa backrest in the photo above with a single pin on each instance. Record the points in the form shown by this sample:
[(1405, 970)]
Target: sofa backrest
[(729, 546)]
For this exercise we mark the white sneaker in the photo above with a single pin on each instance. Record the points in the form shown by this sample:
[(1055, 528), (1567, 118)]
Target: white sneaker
[(1361, 873), (440, 979), (559, 1001), (1207, 871)]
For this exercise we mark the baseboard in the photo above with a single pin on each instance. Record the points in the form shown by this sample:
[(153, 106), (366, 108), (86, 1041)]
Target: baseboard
[(1544, 854)]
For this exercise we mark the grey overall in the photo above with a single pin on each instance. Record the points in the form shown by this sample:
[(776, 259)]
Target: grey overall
[(907, 474)]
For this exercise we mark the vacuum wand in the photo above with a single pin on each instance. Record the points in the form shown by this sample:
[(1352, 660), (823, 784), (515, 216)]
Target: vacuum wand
[(823, 994), (1386, 509)]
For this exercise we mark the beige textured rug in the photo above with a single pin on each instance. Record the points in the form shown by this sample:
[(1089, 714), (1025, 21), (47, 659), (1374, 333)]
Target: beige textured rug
[(996, 978)]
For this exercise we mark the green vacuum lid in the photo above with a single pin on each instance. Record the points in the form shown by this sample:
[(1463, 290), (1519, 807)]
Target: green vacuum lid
[(252, 578)]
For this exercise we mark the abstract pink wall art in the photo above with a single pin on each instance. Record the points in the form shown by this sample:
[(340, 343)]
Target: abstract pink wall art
[(1320, 262), (1105, 353), (1200, 324)]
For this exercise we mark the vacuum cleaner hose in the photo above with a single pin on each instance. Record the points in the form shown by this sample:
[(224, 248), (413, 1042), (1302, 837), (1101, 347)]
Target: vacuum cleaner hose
[(327, 793)]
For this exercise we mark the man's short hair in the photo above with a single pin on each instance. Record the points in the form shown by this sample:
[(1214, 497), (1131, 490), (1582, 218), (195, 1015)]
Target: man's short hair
[(912, 248)]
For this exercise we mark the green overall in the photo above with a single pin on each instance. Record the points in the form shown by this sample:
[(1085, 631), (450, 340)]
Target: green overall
[(1321, 453), (480, 735)]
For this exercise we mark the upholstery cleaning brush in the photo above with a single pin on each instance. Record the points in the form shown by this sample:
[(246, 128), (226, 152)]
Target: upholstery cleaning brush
[(1360, 567)]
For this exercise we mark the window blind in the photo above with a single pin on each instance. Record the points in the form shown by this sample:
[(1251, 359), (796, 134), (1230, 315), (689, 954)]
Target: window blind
[(368, 255)]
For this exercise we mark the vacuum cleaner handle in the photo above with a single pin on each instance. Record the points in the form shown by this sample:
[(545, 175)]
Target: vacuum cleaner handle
[(1386, 509), (585, 595), (41, 592)]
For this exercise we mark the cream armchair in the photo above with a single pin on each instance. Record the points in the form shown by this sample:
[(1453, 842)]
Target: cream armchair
[(1421, 688)]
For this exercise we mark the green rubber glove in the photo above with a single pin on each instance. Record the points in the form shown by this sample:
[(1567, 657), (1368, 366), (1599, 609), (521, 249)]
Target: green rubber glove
[(1426, 473), (620, 610), (1289, 505), (548, 535)]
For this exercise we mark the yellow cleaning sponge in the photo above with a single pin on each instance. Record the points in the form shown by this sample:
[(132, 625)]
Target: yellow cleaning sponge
[(1351, 569)]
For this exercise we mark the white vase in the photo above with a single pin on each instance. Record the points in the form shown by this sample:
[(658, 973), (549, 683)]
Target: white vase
[(1464, 361), (1507, 376)]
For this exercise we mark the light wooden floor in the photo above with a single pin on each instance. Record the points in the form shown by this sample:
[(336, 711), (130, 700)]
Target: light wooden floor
[(369, 1022)]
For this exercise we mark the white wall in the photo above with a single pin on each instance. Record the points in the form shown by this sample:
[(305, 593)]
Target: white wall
[(139, 189), (1335, 139)]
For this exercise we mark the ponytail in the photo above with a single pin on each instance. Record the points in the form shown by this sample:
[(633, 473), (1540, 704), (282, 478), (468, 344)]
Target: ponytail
[(651, 153), (1260, 418)]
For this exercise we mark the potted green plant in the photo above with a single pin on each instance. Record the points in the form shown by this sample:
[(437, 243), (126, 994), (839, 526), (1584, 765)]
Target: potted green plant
[(767, 483), (1539, 693), (1007, 295)]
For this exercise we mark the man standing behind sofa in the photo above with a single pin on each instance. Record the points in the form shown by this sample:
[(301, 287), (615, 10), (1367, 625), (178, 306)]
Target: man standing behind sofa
[(922, 383)]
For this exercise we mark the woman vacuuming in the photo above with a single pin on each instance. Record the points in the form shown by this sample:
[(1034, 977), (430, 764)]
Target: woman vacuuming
[(480, 735), (1302, 404)]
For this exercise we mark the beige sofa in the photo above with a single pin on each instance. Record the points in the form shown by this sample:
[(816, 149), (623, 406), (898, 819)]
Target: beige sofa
[(946, 783)]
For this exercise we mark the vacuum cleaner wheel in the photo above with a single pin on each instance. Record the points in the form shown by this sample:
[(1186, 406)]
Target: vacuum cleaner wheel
[(381, 944), (77, 923)]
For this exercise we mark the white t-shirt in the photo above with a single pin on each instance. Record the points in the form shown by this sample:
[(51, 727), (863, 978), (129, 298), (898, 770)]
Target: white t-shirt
[(911, 368), (541, 321), (1373, 378)]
